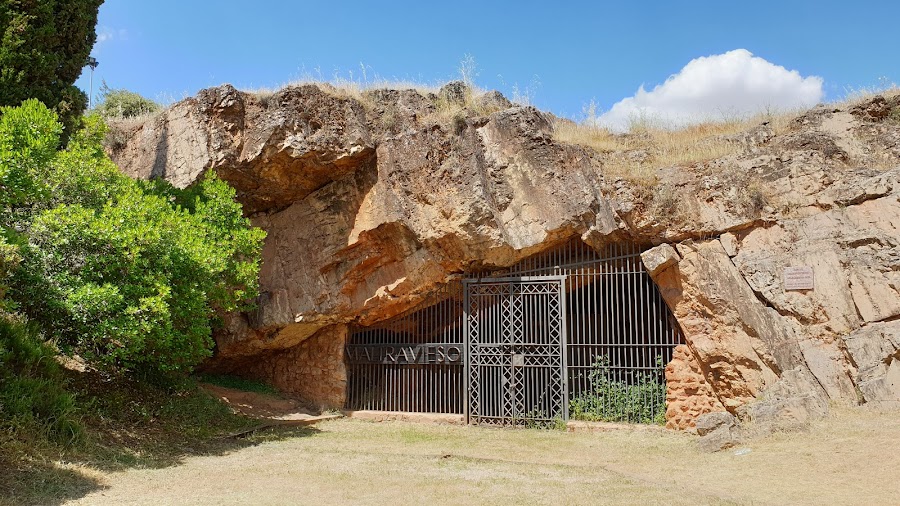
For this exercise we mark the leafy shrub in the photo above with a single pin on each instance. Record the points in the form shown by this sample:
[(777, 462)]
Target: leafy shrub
[(610, 400), (121, 103), (27, 145), (128, 274)]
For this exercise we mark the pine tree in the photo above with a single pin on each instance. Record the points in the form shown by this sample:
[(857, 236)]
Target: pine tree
[(43, 49)]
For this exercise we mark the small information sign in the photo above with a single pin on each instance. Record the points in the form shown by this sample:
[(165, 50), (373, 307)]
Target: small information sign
[(799, 278)]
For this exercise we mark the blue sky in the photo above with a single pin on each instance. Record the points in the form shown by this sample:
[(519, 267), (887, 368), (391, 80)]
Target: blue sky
[(561, 54)]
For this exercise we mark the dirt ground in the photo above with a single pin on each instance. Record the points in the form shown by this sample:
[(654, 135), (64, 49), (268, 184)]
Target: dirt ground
[(258, 405), (853, 457)]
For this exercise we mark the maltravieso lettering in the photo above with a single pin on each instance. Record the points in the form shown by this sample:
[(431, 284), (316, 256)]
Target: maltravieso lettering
[(436, 353)]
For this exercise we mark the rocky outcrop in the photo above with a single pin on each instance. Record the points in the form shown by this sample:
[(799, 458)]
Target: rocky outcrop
[(373, 201), (313, 370), (359, 229)]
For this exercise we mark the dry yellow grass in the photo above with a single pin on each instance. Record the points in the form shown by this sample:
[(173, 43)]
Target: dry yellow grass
[(855, 96), (845, 459), (360, 87), (120, 129), (639, 154)]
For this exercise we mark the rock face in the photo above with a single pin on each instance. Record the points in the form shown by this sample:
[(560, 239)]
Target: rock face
[(373, 201)]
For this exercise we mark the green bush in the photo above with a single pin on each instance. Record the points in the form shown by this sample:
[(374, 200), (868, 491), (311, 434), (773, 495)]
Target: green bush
[(128, 274), (28, 144), (609, 400), (121, 103), (33, 400)]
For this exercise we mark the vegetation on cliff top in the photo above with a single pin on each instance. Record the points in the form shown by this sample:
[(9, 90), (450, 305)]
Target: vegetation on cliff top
[(649, 145), (121, 103)]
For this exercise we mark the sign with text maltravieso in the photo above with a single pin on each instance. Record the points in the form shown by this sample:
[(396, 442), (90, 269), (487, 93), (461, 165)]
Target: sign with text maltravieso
[(425, 353)]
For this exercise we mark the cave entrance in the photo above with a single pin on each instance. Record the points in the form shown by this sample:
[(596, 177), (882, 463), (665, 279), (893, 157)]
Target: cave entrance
[(571, 332)]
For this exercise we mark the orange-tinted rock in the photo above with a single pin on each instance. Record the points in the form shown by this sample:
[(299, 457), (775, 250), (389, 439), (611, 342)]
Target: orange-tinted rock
[(313, 371), (371, 203), (688, 395)]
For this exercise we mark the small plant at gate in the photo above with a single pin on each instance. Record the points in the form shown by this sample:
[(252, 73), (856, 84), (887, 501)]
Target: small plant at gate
[(642, 400)]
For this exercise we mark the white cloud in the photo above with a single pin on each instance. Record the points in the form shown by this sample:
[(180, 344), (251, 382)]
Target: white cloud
[(106, 34), (720, 86)]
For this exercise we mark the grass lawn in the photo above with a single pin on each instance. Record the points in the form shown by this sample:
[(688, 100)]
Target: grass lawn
[(850, 458)]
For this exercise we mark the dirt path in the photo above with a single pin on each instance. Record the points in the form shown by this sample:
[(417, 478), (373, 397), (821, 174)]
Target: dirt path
[(851, 458), (259, 405)]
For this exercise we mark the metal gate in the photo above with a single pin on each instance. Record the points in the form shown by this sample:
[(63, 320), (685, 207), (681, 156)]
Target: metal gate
[(516, 342), (571, 332)]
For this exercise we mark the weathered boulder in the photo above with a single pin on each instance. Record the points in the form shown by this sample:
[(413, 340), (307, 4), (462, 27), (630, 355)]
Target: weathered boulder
[(372, 201), (717, 431), (274, 153), (660, 258)]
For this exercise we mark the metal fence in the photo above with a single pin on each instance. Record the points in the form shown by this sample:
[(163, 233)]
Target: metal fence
[(413, 362), (616, 335)]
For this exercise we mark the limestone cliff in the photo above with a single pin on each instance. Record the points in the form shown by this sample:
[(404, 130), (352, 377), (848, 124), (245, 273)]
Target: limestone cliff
[(373, 201)]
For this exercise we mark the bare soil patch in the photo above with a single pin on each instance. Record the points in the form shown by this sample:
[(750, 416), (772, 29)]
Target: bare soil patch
[(258, 405)]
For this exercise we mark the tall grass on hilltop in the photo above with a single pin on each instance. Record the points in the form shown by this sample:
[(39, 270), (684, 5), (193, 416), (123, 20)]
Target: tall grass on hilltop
[(651, 145), (854, 95), (349, 85)]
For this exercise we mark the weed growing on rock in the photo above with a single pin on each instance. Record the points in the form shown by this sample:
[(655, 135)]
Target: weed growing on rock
[(895, 115), (753, 199)]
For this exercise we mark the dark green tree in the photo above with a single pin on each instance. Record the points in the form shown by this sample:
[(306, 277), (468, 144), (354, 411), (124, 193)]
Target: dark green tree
[(43, 49)]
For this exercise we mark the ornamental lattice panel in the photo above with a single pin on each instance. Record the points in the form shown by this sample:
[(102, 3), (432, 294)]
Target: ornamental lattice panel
[(516, 341)]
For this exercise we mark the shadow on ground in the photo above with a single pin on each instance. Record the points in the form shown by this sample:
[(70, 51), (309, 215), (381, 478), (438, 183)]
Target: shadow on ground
[(127, 423), (26, 483)]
